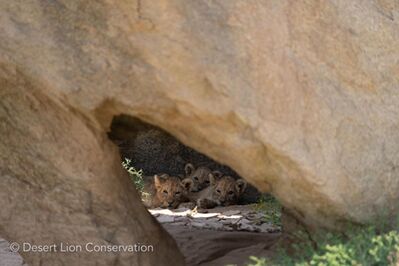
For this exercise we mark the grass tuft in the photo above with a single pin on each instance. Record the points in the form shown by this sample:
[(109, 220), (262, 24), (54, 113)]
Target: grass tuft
[(271, 208)]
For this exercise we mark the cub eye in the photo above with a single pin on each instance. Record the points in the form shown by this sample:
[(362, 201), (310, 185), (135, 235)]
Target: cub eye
[(177, 193), (231, 192), (195, 178), (207, 181), (165, 192), (218, 190)]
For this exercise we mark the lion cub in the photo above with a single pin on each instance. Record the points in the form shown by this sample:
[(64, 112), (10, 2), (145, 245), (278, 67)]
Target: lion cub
[(223, 191), (199, 176), (167, 191)]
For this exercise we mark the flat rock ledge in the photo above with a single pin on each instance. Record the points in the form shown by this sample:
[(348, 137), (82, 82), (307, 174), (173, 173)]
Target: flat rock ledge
[(231, 218)]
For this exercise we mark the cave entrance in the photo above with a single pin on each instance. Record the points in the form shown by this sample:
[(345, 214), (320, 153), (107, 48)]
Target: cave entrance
[(211, 235)]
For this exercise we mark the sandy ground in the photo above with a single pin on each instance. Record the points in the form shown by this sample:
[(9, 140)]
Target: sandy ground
[(216, 248)]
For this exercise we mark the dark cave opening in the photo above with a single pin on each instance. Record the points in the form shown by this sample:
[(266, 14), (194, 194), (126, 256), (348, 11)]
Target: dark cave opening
[(155, 151), (252, 221)]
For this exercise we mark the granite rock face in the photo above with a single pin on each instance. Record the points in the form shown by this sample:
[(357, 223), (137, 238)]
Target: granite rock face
[(300, 98)]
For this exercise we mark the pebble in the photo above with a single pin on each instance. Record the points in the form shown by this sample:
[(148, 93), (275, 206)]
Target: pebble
[(253, 216), (246, 227)]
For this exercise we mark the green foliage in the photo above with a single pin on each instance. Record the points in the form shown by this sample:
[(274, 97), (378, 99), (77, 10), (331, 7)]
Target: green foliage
[(362, 246), (271, 208), (135, 175), (257, 261)]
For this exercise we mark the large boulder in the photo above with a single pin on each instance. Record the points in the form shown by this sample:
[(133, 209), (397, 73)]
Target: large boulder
[(299, 97), (62, 183)]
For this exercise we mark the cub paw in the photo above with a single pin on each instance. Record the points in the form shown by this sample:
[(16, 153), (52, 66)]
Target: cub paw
[(201, 203), (205, 204)]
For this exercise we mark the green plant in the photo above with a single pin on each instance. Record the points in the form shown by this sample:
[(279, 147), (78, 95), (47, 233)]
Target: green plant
[(271, 208), (360, 246), (255, 261), (135, 175)]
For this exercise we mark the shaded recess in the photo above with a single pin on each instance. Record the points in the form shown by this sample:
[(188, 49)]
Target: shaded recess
[(155, 151)]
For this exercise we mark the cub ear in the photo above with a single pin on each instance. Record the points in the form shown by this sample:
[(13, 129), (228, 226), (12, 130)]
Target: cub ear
[(164, 176), (212, 179), (187, 183), (241, 185), (217, 174), (189, 169), (158, 181)]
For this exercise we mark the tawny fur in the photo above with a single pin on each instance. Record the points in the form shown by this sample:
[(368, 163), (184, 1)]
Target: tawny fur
[(167, 191), (223, 191), (199, 176)]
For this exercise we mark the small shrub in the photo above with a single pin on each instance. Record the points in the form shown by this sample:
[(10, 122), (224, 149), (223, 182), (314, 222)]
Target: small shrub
[(362, 246), (271, 208), (135, 175)]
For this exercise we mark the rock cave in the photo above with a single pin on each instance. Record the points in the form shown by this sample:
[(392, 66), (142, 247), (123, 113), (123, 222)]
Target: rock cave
[(299, 98), (228, 233)]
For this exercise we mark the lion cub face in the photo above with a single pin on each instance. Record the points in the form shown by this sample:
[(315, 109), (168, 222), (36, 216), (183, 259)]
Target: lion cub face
[(227, 190), (170, 190), (199, 176)]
